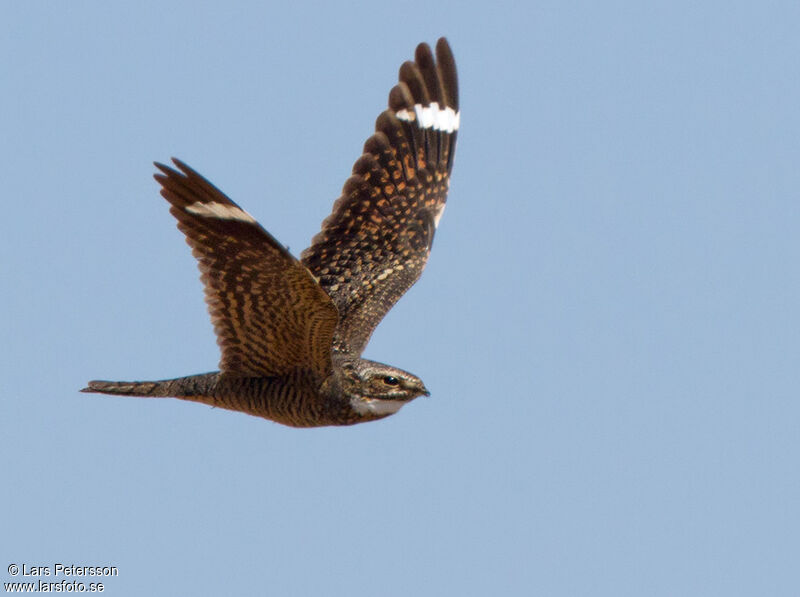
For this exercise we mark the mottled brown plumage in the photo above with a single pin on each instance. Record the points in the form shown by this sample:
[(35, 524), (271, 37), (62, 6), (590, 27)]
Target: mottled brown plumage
[(291, 332), (375, 244), (269, 313)]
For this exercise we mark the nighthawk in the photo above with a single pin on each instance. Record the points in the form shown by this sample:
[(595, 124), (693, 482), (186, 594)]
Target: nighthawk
[(291, 331)]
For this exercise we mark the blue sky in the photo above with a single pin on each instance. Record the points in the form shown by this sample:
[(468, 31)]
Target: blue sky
[(608, 323)]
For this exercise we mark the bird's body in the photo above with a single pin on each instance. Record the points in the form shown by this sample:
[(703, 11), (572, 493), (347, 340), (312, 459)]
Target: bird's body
[(292, 332), (297, 399)]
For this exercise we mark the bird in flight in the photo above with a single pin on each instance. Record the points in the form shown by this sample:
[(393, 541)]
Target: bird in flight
[(291, 332)]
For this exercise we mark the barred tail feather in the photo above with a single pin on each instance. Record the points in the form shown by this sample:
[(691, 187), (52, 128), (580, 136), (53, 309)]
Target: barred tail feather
[(182, 387), (129, 388)]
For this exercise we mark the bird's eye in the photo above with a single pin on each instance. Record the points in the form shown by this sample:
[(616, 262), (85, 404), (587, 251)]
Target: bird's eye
[(390, 381)]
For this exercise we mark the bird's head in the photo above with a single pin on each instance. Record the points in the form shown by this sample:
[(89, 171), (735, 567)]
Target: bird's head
[(375, 389)]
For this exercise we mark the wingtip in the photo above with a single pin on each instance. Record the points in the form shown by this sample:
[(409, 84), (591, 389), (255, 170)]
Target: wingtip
[(422, 49), (169, 169), (181, 165), (163, 171), (447, 67)]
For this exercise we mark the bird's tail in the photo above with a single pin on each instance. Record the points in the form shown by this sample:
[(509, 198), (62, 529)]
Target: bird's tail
[(181, 387), (129, 388)]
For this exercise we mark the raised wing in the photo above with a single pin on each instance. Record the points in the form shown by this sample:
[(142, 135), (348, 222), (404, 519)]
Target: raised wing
[(375, 244), (269, 314)]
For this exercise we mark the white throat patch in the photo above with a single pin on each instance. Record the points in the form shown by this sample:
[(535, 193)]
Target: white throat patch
[(374, 406)]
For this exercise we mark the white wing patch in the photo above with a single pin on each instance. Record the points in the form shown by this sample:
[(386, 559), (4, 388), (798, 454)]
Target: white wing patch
[(432, 117), (438, 215), (223, 211)]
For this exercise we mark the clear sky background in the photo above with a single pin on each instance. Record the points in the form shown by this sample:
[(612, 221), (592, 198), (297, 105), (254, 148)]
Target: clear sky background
[(608, 323)]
